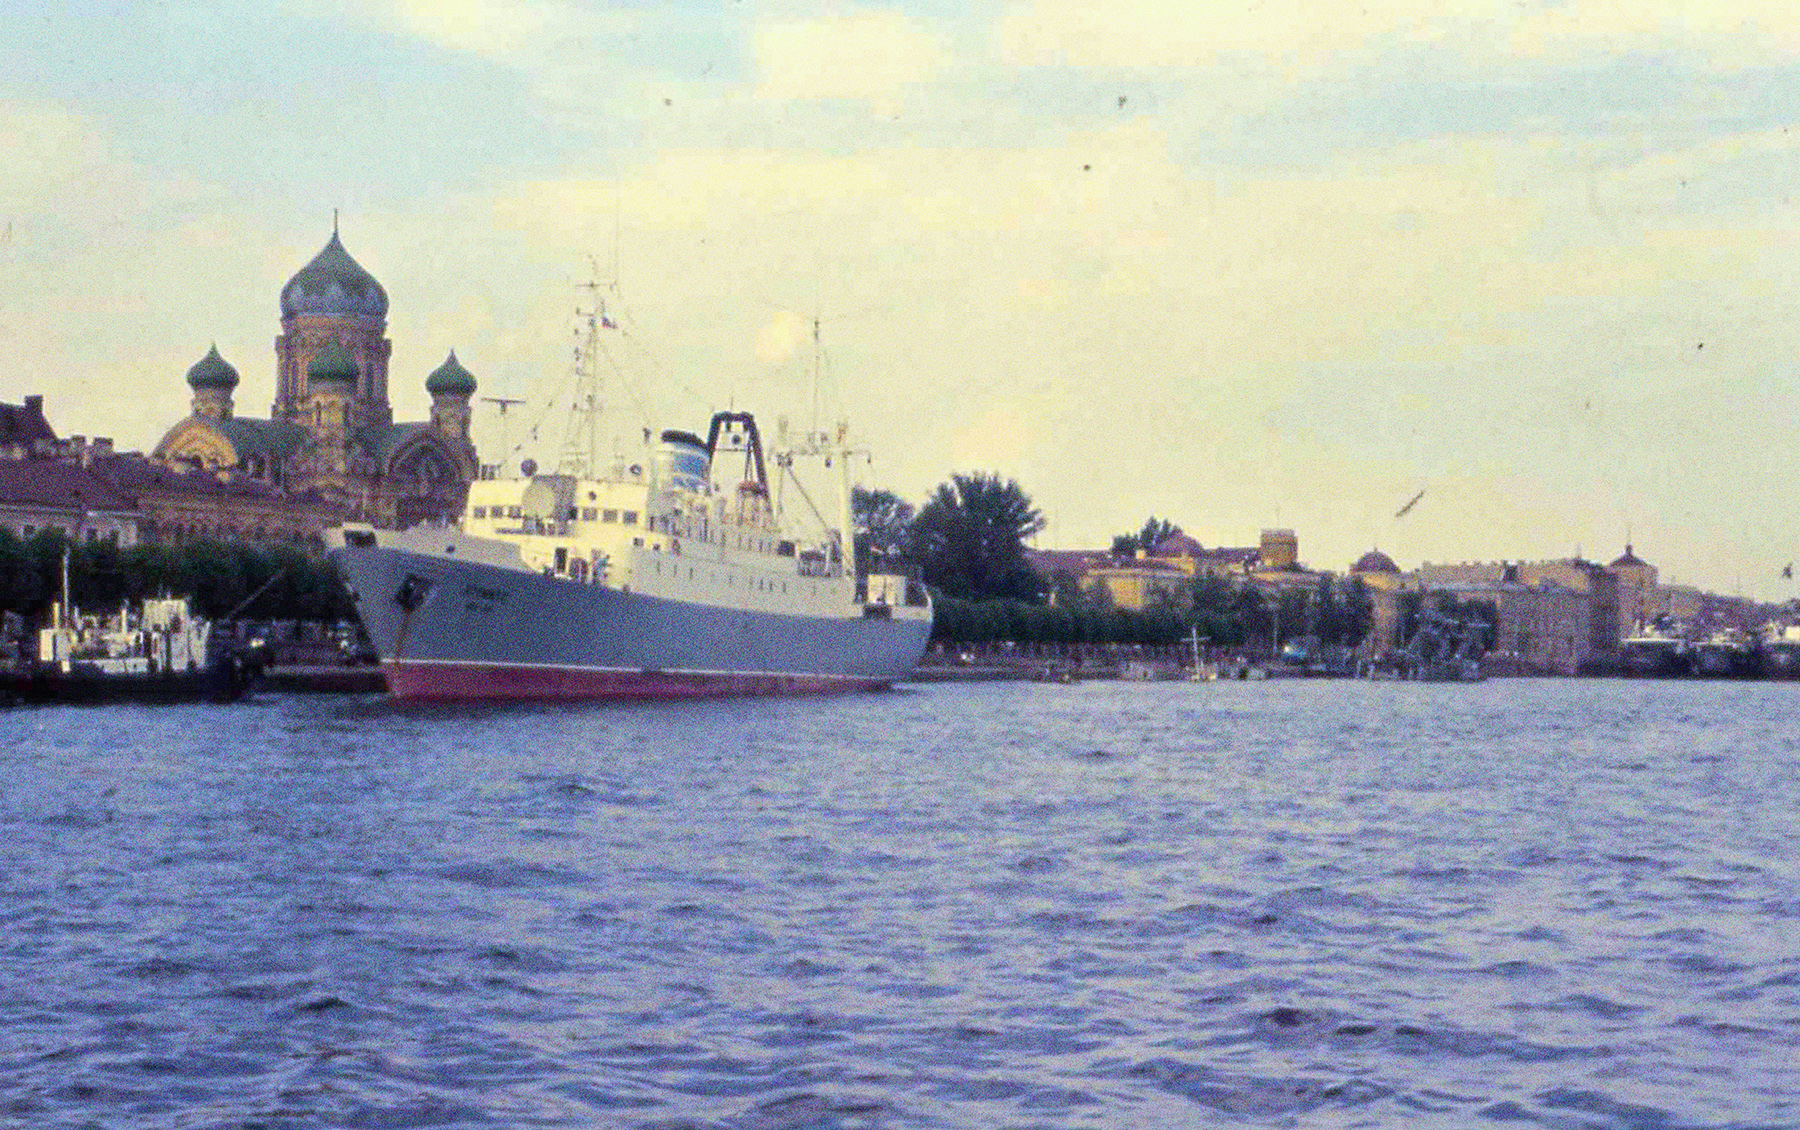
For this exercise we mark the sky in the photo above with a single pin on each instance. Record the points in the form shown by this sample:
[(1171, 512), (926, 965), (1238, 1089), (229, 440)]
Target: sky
[(1236, 265)]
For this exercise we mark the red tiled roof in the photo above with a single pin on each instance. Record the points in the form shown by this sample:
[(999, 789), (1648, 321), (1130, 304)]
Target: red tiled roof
[(133, 472), (55, 484)]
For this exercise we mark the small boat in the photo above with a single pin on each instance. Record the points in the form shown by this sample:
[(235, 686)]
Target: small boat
[(1726, 654), (1780, 652), (1657, 652), (159, 652)]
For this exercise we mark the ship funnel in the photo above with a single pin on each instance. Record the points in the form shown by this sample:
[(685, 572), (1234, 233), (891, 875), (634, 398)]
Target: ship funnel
[(681, 462)]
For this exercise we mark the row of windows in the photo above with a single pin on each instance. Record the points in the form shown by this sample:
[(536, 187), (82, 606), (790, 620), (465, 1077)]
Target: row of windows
[(30, 531), (757, 583), (585, 514)]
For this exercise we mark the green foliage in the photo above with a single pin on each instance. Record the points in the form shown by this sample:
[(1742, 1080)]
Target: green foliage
[(969, 539), (1446, 604), (1150, 535), (996, 621), (216, 576), (883, 528)]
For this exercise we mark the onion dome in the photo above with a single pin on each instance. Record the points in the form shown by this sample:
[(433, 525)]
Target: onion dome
[(332, 365), (1375, 561), (450, 378), (333, 283), (212, 371), (1627, 558)]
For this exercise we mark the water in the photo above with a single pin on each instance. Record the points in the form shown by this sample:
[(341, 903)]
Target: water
[(1563, 904)]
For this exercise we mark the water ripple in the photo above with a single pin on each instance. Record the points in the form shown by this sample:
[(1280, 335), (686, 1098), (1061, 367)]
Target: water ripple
[(1567, 904)]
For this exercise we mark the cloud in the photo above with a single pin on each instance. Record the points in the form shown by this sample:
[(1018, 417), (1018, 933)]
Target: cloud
[(524, 33), (1173, 34), (1732, 32), (486, 27), (782, 338), (52, 153), (869, 54)]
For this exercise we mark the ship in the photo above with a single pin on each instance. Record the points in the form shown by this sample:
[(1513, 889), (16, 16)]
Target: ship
[(1780, 651), (1658, 651), (158, 652), (675, 574)]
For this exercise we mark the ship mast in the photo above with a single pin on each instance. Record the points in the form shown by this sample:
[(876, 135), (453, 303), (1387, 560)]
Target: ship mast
[(581, 452)]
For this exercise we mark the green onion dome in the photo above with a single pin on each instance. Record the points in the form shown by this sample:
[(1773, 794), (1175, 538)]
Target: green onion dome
[(212, 371), (450, 377), (332, 365), (333, 283)]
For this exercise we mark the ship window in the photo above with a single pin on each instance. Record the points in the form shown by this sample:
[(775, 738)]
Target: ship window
[(609, 515), (514, 512), (629, 517), (571, 513), (478, 512), (588, 513)]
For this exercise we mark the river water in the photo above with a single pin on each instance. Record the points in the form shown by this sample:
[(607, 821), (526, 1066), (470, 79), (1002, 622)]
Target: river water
[(1552, 903)]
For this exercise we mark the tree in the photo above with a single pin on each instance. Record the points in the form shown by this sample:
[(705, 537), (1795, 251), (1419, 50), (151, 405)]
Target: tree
[(883, 526), (969, 538), (1150, 535)]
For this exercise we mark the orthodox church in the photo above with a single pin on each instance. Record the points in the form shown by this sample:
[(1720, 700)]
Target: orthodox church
[(331, 432)]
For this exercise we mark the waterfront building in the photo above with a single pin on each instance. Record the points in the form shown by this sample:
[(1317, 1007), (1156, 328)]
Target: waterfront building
[(330, 442), (1160, 574), (38, 495), (1386, 585), (1597, 624), (1637, 591), (1540, 627), (89, 491), (24, 432)]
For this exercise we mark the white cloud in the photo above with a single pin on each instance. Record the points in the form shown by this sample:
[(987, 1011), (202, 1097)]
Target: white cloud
[(1734, 32), (521, 32), (868, 54), (487, 27), (1132, 35), (52, 154)]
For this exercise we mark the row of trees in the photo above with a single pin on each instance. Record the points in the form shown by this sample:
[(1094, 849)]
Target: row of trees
[(995, 621), (968, 543), (217, 577)]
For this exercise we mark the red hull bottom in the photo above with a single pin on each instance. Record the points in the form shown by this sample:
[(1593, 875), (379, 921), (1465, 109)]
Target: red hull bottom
[(472, 681)]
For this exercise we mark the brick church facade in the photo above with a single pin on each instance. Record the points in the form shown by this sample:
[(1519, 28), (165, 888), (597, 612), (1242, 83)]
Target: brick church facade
[(330, 438)]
